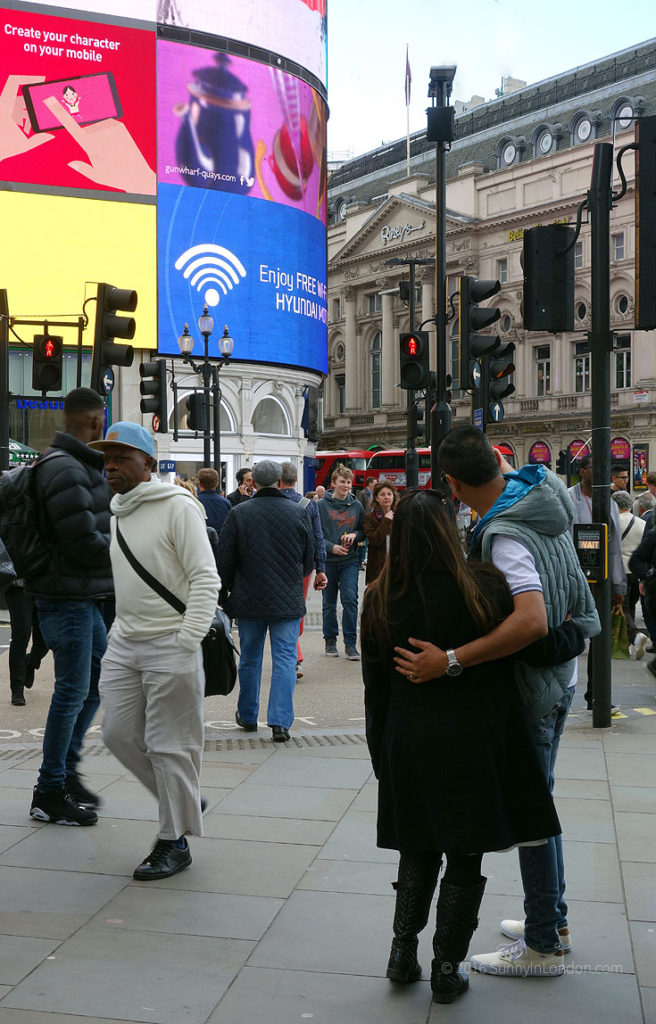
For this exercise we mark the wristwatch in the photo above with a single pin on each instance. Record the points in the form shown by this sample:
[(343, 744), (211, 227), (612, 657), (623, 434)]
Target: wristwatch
[(454, 667)]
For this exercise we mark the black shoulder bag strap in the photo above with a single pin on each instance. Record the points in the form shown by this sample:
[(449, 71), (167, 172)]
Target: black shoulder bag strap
[(631, 522), (147, 577)]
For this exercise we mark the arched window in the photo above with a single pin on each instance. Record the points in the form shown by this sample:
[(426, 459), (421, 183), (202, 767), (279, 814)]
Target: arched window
[(270, 417), (376, 371)]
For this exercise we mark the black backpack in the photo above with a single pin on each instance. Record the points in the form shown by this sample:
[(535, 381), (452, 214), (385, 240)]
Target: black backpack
[(21, 520)]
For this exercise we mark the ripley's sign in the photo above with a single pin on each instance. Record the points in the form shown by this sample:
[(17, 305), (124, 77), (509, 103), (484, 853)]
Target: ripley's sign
[(398, 233)]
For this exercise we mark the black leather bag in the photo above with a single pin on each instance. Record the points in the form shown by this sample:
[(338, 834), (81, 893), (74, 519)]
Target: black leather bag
[(219, 650)]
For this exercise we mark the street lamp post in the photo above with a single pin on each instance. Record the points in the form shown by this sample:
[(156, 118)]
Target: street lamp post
[(209, 373)]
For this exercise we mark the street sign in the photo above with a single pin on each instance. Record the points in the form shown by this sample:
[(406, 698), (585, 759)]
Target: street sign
[(166, 466), (477, 418), (155, 423), (107, 379), (496, 412), (475, 373)]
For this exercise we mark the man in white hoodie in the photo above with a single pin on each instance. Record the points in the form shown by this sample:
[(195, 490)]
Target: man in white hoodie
[(151, 680)]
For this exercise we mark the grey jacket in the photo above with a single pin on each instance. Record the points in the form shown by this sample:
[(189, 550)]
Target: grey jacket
[(541, 521)]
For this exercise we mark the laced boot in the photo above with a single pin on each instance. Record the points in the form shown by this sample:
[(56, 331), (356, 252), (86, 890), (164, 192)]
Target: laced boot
[(415, 886), (457, 920)]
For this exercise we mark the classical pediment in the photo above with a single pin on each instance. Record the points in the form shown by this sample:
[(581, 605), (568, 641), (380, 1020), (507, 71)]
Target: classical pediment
[(399, 222)]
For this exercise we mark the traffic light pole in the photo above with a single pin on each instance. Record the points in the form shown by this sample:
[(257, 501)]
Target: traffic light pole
[(216, 405), (601, 343), (441, 80), (411, 456)]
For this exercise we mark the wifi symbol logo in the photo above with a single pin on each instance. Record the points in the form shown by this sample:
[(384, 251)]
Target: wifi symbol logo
[(212, 267)]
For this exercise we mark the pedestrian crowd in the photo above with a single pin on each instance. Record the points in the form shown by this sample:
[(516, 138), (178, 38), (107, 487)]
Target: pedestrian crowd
[(469, 662)]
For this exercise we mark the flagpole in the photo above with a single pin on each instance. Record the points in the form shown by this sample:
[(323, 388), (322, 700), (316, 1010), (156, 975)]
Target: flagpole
[(408, 83)]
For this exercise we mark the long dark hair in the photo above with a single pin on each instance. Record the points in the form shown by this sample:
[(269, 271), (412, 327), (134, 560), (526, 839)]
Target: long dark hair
[(423, 538)]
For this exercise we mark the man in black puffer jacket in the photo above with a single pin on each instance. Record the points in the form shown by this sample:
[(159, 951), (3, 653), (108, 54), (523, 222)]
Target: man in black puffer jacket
[(266, 548), (74, 498)]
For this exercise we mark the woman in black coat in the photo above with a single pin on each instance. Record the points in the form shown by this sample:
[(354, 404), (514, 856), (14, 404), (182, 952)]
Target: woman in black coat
[(458, 773)]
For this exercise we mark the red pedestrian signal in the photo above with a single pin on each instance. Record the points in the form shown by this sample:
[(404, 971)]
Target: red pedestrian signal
[(414, 360), (47, 362)]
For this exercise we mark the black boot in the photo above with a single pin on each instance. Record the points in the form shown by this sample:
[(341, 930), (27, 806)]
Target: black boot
[(17, 696), (457, 920), (416, 883)]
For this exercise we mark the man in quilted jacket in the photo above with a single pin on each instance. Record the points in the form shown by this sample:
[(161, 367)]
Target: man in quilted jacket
[(267, 547)]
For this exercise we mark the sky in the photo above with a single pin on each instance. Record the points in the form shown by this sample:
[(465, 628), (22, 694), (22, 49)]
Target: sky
[(486, 39)]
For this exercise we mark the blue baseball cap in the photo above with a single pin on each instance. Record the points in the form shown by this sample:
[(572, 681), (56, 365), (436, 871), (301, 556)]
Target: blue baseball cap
[(130, 435)]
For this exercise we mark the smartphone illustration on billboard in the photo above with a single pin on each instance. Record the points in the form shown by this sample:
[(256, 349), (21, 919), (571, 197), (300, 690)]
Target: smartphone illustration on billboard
[(87, 98)]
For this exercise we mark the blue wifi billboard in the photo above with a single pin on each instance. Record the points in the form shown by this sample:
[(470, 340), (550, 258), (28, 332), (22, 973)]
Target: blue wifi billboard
[(260, 267)]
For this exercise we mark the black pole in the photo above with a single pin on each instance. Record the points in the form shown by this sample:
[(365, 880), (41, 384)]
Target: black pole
[(599, 205), (207, 437), (216, 389), (411, 457), (4, 380), (441, 418)]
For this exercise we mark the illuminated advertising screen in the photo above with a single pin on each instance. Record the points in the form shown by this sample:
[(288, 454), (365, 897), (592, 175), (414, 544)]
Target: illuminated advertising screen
[(295, 29), (76, 104), (260, 267), (235, 125), (142, 10)]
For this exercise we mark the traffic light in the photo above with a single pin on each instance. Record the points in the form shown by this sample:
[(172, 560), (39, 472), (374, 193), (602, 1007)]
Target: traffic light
[(471, 319), (109, 326), (153, 384), (416, 420), (47, 356), (562, 462), (645, 220), (414, 360), (500, 366), (548, 264), (196, 411)]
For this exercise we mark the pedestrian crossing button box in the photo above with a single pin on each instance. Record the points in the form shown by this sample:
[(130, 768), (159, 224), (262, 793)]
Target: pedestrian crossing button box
[(591, 543)]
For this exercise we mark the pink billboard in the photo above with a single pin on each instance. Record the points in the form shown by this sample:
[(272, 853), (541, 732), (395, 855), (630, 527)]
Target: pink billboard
[(76, 104), (234, 125)]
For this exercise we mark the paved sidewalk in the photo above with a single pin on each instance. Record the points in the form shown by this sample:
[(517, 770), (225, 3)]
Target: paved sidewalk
[(285, 914)]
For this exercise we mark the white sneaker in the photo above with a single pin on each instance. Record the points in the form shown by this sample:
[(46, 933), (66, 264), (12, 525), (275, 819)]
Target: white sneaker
[(520, 960), (638, 647), (515, 930)]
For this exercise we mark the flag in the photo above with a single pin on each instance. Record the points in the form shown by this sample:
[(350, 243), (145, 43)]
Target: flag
[(408, 78)]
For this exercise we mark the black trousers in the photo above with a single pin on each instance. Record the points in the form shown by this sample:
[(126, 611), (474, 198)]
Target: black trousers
[(24, 624)]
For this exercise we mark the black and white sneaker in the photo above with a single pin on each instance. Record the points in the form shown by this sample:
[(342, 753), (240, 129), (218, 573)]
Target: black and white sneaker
[(79, 792), (59, 808)]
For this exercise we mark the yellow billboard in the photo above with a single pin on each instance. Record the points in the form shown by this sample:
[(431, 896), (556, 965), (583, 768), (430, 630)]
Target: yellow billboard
[(57, 248)]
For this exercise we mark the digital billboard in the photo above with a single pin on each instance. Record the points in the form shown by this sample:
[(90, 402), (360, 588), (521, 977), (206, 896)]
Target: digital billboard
[(142, 10), (260, 267), (77, 102), (235, 125), (295, 29), (64, 245)]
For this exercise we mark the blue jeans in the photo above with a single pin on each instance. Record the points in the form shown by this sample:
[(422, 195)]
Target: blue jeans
[(283, 634), (543, 874), (343, 578), (75, 633)]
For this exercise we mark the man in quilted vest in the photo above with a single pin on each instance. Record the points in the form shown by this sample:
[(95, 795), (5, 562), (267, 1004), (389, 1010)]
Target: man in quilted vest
[(267, 547)]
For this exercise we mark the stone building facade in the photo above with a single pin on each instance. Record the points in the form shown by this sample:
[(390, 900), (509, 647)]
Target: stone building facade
[(518, 161)]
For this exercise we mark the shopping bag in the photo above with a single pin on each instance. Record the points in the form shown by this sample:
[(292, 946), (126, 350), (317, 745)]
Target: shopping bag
[(619, 637)]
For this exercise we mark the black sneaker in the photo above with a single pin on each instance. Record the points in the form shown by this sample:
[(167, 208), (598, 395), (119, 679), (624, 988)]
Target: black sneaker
[(331, 647), (60, 809), (165, 860), (352, 652), (82, 796), (246, 726), (280, 734)]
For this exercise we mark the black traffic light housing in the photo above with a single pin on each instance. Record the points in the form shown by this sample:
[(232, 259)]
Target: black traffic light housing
[(153, 385), (563, 462), (645, 221), (500, 366), (415, 373), (196, 411), (471, 319), (109, 326), (47, 362), (548, 264), (416, 419)]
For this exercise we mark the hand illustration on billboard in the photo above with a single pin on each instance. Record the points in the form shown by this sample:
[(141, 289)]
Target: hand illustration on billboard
[(114, 157), (14, 120)]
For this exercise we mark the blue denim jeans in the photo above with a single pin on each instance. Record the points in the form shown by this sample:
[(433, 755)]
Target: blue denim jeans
[(543, 874), (343, 579), (75, 633), (283, 634)]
